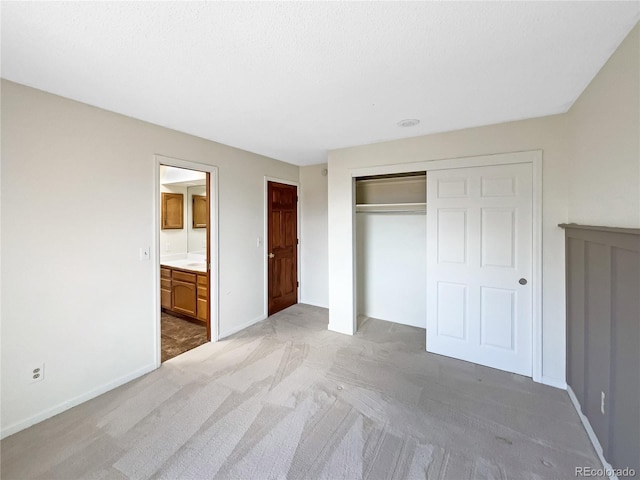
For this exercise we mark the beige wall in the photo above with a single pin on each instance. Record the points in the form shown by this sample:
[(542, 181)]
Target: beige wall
[(77, 204), (314, 281), (604, 173)]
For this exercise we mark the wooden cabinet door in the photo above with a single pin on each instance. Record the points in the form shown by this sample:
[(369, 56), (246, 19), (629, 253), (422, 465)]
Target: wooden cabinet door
[(283, 246), (184, 297), (202, 309), (165, 288), (203, 304), (165, 298), (172, 211), (199, 211)]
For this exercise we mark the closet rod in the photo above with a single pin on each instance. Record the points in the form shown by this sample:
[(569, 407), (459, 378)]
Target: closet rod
[(391, 207)]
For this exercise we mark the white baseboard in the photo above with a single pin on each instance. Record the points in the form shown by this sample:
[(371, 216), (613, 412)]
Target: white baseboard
[(66, 405), (314, 304), (237, 328), (553, 382), (418, 323), (339, 330), (591, 433)]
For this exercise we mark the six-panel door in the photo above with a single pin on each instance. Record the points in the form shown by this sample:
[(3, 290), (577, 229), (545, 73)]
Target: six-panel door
[(479, 264), (282, 212)]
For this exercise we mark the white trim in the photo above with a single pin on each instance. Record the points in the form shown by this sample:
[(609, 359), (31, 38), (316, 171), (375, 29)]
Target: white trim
[(67, 404), (157, 337), (237, 328), (449, 163), (214, 251), (265, 238), (537, 280), (314, 304), (331, 327), (552, 382), (506, 158), (591, 434), (214, 244), (354, 262)]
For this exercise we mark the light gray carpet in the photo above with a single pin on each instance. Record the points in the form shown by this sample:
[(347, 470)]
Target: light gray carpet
[(288, 399)]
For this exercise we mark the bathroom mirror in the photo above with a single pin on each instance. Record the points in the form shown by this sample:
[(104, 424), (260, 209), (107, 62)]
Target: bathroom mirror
[(192, 238)]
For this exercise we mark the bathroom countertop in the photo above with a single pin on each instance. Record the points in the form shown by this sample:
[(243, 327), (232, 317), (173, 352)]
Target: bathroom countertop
[(186, 264)]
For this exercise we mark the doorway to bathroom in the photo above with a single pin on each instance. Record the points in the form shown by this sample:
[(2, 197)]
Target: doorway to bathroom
[(186, 222)]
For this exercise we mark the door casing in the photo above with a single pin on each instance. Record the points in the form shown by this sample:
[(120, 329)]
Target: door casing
[(212, 242), (535, 158)]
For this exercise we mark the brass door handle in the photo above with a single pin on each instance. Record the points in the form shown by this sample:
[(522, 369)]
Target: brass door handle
[(271, 255)]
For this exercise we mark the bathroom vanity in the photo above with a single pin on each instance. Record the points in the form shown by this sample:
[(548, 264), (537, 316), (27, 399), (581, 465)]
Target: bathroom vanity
[(183, 289)]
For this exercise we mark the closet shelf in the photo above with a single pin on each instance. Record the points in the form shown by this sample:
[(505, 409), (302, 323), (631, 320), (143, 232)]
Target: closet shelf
[(391, 207)]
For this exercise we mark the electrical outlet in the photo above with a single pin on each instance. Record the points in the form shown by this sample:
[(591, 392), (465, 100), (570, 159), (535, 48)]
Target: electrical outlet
[(37, 373), (167, 247), (602, 402)]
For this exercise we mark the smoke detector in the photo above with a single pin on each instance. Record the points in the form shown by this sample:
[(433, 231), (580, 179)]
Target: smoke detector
[(409, 122)]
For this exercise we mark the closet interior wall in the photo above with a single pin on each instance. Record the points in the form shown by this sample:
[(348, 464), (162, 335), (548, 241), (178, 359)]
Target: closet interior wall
[(391, 248)]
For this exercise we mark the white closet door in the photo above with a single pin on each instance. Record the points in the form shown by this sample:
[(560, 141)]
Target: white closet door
[(479, 264)]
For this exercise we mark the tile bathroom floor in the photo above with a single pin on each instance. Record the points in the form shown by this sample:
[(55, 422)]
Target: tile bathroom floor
[(179, 335)]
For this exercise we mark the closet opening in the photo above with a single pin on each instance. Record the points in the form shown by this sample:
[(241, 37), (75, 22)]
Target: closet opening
[(391, 248)]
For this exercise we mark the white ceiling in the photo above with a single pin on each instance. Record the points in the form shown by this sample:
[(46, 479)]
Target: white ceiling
[(292, 80)]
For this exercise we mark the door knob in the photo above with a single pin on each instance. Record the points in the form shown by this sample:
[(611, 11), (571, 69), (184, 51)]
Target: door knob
[(522, 281), (271, 255)]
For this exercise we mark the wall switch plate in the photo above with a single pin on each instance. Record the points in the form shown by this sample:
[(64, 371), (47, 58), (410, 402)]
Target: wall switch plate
[(602, 402), (145, 253), (259, 243), (37, 373)]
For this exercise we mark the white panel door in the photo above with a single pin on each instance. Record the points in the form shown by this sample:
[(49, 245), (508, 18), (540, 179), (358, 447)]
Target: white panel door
[(479, 264)]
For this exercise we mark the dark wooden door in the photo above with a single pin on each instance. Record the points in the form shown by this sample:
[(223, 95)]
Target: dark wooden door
[(282, 245)]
